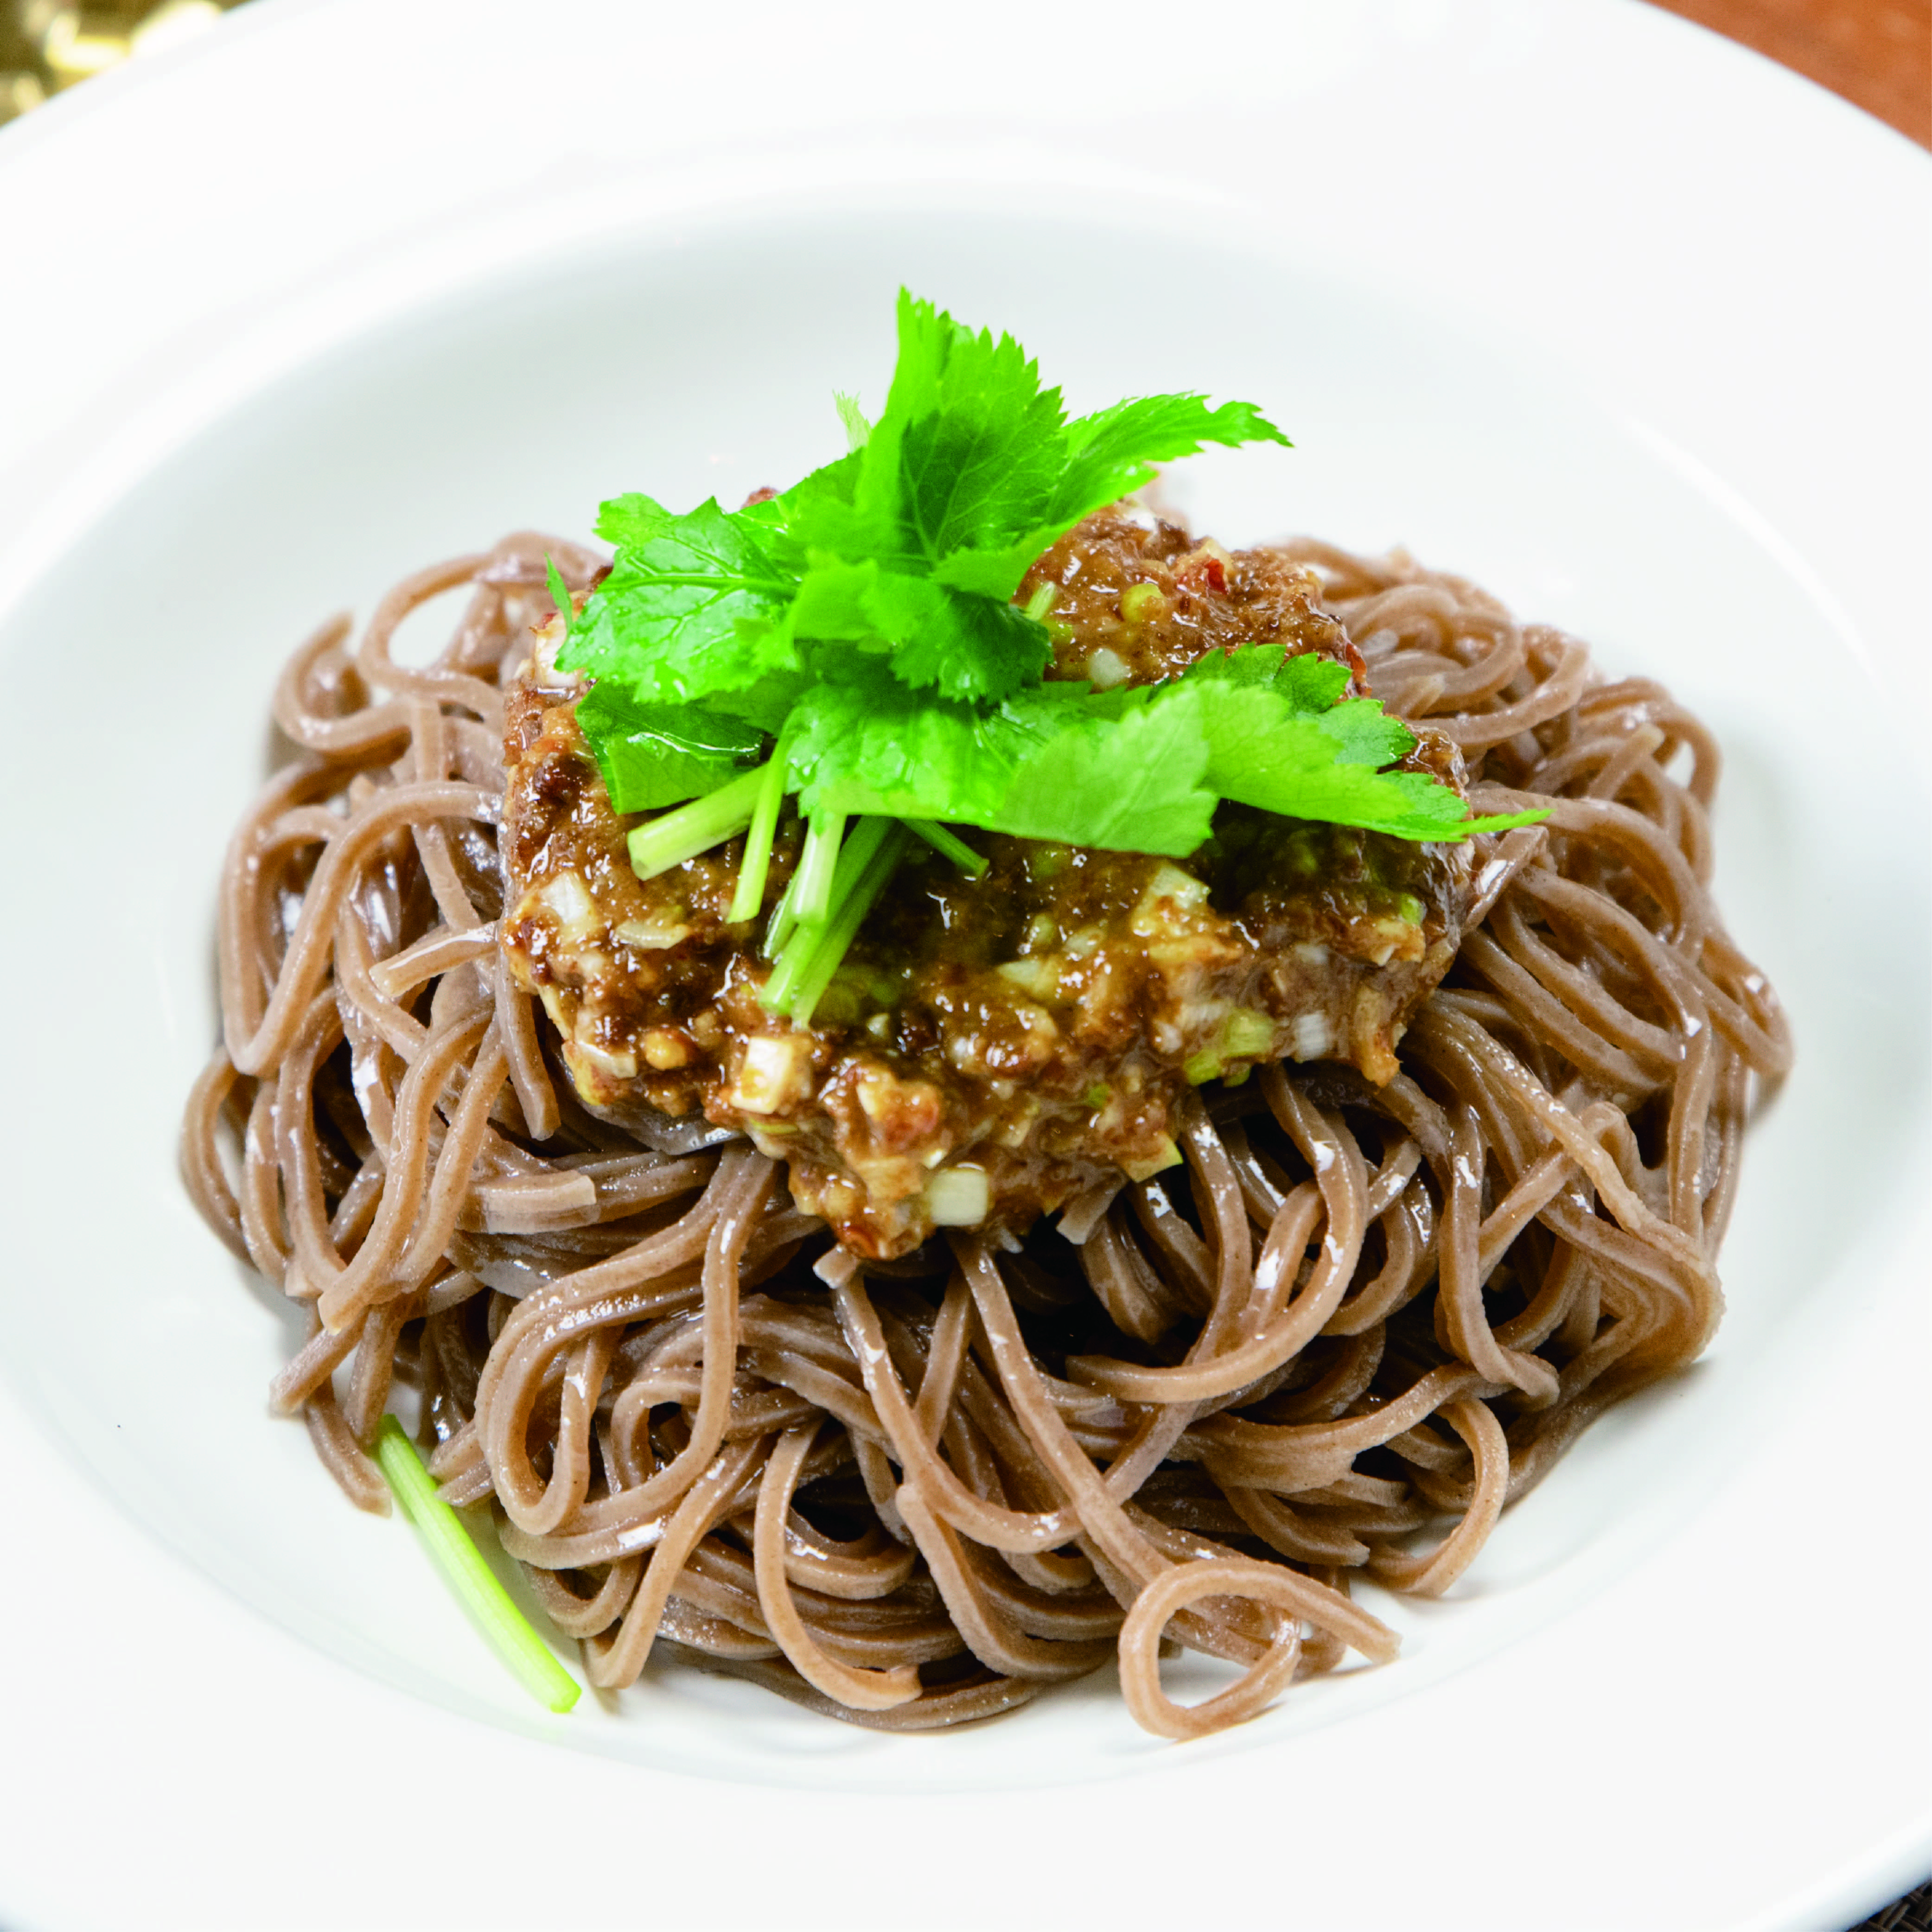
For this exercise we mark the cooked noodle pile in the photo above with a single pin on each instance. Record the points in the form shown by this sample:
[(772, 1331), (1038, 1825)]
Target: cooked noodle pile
[(914, 1493)]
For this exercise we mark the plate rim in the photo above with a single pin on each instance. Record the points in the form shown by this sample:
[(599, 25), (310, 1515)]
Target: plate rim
[(104, 118)]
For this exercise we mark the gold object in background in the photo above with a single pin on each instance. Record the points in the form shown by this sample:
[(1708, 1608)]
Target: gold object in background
[(46, 45)]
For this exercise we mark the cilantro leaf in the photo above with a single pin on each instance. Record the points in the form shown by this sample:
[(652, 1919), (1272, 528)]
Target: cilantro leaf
[(821, 513), (1310, 686), (1308, 681), (1130, 783), (653, 755), (1103, 457), (979, 445), (857, 427), (864, 619), (864, 742), (1363, 733), (690, 607), (965, 647), (1114, 450), (767, 702), (966, 453), (966, 429), (633, 518), (836, 601), (1264, 751), (994, 573)]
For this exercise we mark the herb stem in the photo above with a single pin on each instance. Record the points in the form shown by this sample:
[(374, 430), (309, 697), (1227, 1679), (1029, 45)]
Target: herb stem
[(756, 865), (784, 919), (470, 1579), (560, 593), (950, 844), (817, 868), (673, 837), (854, 904), (801, 948)]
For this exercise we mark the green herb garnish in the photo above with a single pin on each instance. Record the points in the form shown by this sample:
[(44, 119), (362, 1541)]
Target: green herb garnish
[(863, 619), (472, 1580)]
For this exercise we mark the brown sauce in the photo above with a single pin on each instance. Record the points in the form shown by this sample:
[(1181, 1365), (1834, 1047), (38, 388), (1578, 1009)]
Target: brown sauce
[(991, 1047)]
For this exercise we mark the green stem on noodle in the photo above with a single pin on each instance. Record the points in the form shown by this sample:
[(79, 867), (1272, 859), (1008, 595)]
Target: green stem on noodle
[(756, 865), (817, 864), (949, 843), (854, 902), (801, 947), (784, 919), (471, 1580), (672, 837)]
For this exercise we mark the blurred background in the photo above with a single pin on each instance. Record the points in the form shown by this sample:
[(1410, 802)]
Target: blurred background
[(1877, 53), (46, 46)]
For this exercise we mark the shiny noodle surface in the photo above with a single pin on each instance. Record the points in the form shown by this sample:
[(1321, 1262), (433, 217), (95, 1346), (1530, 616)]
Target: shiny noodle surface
[(1333, 1346)]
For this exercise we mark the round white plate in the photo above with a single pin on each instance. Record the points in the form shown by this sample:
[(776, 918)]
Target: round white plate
[(1583, 302)]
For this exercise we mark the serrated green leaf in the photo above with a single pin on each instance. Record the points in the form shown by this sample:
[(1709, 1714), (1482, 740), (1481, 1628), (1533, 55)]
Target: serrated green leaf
[(1264, 752), (1113, 451), (865, 743), (858, 428), (690, 608), (965, 453), (979, 467), (1307, 680), (1309, 685), (652, 755), (992, 571), (835, 600), (865, 615), (1363, 733), (819, 513), (830, 482), (765, 702), (963, 647), (971, 478), (560, 592), (1132, 783), (633, 519), (1102, 458)]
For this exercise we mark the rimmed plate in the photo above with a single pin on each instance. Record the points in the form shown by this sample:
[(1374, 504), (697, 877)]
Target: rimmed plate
[(1569, 297)]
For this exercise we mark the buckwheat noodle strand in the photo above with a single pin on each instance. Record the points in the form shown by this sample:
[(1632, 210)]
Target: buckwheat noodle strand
[(918, 1494)]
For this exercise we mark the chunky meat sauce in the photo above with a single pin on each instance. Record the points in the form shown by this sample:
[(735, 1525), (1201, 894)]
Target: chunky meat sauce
[(1137, 600), (990, 1048)]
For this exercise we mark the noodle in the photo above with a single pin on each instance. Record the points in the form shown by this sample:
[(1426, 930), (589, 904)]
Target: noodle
[(916, 1493)]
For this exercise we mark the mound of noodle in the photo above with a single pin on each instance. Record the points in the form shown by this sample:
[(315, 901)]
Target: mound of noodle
[(916, 1493)]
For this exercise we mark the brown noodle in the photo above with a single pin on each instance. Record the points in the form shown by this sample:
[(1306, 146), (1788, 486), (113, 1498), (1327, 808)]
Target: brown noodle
[(917, 1493)]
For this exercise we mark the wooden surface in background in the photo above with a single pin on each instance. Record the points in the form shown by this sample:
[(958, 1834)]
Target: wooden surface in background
[(1876, 53)]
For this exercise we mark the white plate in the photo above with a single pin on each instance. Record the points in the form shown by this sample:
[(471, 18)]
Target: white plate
[(1570, 297)]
